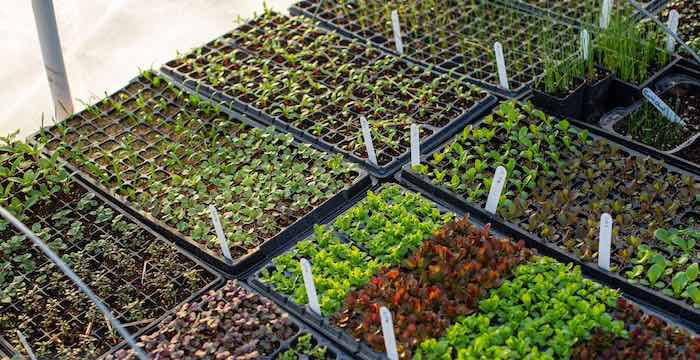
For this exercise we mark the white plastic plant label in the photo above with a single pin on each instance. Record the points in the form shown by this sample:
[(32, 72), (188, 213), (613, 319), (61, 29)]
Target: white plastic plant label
[(220, 233), (24, 342), (585, 44), (367, 135), (310, 286), (499, 181), (673, 17), (396, 25), (501, 64), (605, 241), (415, 145), (388, 333), (664, 109), (605, 14)]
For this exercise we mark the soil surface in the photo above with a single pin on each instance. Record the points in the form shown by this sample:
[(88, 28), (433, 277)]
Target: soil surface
[(691, 152)]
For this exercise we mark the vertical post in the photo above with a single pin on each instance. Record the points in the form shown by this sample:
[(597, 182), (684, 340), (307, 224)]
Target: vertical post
[(45, 19)]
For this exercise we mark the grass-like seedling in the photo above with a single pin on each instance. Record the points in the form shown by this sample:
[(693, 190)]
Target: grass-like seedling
[(632, 53)]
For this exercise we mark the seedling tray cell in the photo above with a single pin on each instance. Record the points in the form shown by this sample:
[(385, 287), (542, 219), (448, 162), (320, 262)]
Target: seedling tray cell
[(315, 84), (165, 155), (454, 37), (683, 148), (279, 336), (544, 210), (134, 271)]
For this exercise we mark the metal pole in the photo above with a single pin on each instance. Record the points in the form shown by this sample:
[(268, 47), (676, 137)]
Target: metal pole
[(76, 279), (47, 30)]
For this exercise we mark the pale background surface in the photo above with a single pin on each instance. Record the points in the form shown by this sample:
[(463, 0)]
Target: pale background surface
[(105, 43)]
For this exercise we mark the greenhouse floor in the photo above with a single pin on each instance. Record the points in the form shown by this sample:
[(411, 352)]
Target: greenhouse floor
[(104, 43)]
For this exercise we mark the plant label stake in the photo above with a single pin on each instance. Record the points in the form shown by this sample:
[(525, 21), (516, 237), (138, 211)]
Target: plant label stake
[(220, 233), (367, 135), (664, 109), (501, 64), (310, 287), (604, 241), (396, 25), (585, 41), (673, 26), (24, 342), (499, 180), (605, 15), (388, 333), (415, 145)]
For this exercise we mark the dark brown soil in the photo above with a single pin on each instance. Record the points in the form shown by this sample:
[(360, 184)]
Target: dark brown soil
[(691, 152), (689, 106)]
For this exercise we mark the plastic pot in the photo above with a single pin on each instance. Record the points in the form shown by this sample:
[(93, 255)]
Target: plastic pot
[(683, 155), (595, 95), (570, 105), (623, 93)]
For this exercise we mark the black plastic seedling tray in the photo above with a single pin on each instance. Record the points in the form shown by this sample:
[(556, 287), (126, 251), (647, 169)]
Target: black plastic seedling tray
[(618, 103), (623, 93), (574, 11), (680, 311), (333, 352), (672, 156), (240, 264), (136, 330), (479, 65), (480, 217), (337, 136), (359, 349)]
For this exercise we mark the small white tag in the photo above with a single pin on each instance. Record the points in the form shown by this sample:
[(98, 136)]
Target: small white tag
[(415, 145), (388, 333), (499, 181), (310, 287), (604, 241), (24, 342), (397, 31), (501, 64), (367, 135), (220, 233), (660, 105), (585, 43), (605, 14), (673, 26)]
